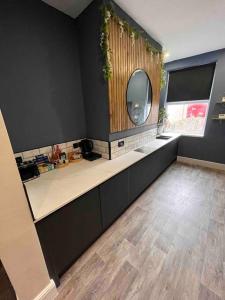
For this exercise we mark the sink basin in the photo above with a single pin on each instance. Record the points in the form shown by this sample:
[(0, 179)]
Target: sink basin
[(163, 137), (154, 145), (145, 150)]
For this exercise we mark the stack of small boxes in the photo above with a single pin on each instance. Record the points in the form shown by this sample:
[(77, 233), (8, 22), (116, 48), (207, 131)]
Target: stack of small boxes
[(43, 163)]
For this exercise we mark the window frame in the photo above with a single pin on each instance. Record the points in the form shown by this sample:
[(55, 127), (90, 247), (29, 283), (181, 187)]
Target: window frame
[(190, 101)]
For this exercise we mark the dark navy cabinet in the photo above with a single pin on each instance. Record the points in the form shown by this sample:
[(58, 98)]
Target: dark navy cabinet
[(6, 289), (144, 172), (114, 196), (139, 178), (66, 233)]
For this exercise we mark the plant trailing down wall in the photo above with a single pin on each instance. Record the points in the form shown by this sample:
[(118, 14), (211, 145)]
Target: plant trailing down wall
[(108, 14)]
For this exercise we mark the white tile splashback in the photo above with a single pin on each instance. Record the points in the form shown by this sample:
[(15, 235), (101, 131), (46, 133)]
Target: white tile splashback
[(132, 142), (45, 150), (101, 147), (29, 155)]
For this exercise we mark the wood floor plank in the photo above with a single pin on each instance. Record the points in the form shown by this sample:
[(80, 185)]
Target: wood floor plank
[(213, 270), (219, 198), (91, 269), (97, 288), (147, 276), (122, 282), (135, 234), (169, 276), (206, 294), (141, 252), (218, 214), (71, 290)]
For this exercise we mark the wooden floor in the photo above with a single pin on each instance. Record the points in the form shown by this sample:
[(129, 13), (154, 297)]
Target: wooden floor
[(170, 244)]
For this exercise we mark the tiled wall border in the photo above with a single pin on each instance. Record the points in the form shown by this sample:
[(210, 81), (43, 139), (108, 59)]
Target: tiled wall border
[(102, 148), (29, 155), (132, 142), (108, 150)]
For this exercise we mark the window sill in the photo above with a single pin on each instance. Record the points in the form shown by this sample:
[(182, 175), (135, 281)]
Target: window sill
[(193, 135), (188, 134)]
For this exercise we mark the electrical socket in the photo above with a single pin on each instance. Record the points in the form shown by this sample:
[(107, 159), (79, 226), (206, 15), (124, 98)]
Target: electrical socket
[(120, 143)]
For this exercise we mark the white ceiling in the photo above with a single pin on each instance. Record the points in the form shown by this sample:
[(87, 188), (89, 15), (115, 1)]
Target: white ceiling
[(184, 28)]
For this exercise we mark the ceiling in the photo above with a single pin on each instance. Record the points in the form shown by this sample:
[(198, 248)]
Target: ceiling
[(184, 28)]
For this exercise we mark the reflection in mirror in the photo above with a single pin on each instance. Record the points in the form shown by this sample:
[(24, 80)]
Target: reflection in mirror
[(139, 97)]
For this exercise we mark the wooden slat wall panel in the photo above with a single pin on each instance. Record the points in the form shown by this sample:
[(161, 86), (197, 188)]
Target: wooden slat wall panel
[(125, 59)]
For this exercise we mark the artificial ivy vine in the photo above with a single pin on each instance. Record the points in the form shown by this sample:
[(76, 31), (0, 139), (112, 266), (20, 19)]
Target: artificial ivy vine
[(107, 14), (104, 42), (162, 75)]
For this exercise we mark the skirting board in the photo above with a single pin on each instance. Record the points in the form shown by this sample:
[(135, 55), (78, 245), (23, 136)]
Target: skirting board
[(201, 163), (48, 293)]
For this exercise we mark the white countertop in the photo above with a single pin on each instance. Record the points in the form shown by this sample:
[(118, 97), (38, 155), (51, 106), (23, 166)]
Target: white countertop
[(55, 189)]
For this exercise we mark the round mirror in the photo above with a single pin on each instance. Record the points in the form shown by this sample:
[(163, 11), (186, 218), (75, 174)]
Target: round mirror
[(139, 97)]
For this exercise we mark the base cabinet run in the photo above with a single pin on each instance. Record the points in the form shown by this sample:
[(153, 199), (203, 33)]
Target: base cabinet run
[(68, 232), (144, 172)]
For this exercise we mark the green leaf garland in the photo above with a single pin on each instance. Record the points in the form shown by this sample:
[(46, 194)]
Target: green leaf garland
[(107, 14)]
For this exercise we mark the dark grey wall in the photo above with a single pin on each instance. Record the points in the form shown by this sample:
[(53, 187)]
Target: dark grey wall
[(95, 88), (40, 85), (211, 147), (52, 88)]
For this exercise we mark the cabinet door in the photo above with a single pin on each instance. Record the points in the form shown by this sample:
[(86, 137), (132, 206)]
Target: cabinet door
[(167, 155), (6, 288), (65, 234), (114, 195), (139, 178), (144, 172)]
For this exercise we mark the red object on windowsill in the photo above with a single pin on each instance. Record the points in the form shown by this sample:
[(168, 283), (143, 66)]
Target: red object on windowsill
[(196, 110)]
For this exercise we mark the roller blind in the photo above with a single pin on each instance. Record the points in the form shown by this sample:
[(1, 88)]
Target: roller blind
[(190, 84)]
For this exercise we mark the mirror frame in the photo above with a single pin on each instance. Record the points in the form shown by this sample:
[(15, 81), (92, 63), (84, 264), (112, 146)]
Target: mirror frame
[(151, 90)]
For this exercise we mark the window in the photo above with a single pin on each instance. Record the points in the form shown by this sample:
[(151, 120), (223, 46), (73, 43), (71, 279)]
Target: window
[(188, 99)]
